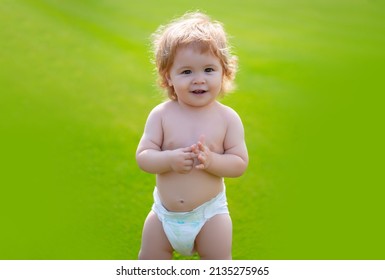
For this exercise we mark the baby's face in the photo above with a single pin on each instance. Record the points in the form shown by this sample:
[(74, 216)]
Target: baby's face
[(195, 76)]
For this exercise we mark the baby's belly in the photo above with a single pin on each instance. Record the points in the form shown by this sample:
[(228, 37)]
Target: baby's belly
[(184, 192)]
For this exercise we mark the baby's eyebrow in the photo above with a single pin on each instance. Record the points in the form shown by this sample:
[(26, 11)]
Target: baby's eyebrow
[(210, 65), (190, 67)]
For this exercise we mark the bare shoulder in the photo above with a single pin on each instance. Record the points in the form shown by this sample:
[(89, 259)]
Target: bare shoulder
[(228, 113), (161, 109)]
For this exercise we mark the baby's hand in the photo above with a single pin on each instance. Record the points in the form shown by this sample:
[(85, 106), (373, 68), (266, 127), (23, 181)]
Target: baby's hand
[(182, 160), (202, 153)]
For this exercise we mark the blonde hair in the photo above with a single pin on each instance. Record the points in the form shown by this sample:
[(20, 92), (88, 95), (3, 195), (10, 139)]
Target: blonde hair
[(198, 30)]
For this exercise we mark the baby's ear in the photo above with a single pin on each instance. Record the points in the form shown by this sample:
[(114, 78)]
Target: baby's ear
[(169, 80)]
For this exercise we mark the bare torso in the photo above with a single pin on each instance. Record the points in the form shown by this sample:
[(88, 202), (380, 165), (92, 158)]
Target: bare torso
[(182, 128)]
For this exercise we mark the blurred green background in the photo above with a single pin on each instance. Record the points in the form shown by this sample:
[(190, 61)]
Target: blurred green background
[(76, 86)]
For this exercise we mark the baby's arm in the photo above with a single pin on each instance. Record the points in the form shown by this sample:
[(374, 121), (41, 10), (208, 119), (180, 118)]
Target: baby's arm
[(233, 162), (150, 156)]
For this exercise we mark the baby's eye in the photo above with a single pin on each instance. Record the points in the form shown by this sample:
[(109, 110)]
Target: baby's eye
[(186, 72), (209, 69)]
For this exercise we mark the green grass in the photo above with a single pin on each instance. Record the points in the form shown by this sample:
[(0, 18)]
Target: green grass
[(77, 85)]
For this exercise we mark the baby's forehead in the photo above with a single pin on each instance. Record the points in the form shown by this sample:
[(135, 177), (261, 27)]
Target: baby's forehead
[(194, 54), (196, 47)]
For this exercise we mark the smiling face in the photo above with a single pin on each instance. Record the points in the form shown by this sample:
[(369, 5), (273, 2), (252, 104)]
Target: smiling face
[(195, 76)]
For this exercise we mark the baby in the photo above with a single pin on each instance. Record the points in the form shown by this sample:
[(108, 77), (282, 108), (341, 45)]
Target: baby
[(191, 142)]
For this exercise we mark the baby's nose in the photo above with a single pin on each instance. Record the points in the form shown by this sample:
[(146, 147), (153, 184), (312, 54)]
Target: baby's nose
[(199, 79)]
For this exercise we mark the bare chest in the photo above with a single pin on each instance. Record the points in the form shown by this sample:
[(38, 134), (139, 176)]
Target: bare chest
[(180, 131)]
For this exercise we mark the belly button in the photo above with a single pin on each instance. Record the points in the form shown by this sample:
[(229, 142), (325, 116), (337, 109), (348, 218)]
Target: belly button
[(181, 201)]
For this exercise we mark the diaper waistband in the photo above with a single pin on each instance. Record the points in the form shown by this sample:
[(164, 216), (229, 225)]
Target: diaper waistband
[(206, 210)]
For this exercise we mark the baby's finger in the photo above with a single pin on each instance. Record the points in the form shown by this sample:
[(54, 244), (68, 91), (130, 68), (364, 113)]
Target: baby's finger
[(187, 149), (185, 170), (202, 158), (189, 156), (200, 166), (194, 148), (187, 166), (193, 155), (201, 146)]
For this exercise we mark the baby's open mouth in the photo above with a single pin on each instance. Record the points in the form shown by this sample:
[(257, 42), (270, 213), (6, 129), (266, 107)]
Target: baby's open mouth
[(198, 91)]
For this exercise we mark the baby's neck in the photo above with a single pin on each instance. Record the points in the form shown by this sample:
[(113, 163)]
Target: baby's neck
[(197, 109)]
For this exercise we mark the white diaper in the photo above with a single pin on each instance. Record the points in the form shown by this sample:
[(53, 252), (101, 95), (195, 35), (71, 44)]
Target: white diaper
[(181, 228)]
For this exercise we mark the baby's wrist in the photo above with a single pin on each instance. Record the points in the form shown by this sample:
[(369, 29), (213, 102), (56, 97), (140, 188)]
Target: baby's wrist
[(168, 159), (209, 159)]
